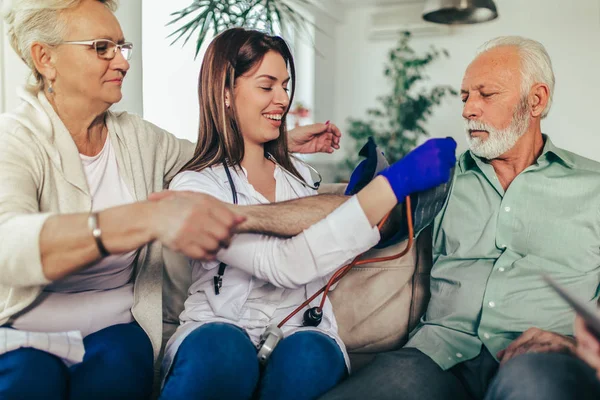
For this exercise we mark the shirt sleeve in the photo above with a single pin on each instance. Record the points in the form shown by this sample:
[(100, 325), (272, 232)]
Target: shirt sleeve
[(293, 262)]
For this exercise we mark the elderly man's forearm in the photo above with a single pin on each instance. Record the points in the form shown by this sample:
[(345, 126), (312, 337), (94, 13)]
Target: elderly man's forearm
[(288, 218)]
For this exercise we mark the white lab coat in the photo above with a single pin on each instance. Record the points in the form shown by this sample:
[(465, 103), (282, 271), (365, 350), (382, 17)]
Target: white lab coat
[(268, 277)]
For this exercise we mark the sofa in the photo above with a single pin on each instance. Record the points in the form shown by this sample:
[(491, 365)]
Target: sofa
[(376, 305)]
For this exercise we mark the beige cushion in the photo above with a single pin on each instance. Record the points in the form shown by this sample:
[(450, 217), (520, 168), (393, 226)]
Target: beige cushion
[(376, 305)]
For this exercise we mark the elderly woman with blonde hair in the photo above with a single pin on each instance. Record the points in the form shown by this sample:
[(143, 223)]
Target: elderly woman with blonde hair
[(81, 258)]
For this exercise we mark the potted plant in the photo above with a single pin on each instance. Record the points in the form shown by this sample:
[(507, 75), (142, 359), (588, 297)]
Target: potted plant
[(397, 124)]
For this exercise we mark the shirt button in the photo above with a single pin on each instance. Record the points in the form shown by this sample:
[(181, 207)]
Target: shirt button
[(501, 269), (486, 335), (459, 355), (507, 209), (492, 304)]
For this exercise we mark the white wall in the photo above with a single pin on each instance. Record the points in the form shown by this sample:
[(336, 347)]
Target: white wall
[(570, 30), (171, 73), (14, 72), (130, 17), (2, 57)]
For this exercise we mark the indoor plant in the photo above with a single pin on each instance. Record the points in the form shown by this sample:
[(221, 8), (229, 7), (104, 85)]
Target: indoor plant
[(214, 16), (397, 124)]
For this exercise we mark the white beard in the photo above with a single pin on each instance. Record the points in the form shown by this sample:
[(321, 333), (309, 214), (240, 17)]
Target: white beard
[(499, 141)]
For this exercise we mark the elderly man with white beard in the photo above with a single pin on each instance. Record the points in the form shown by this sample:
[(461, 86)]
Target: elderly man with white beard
[(519, 207)]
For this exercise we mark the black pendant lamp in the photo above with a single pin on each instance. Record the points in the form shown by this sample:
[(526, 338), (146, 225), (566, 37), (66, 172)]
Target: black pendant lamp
[(453, 12)]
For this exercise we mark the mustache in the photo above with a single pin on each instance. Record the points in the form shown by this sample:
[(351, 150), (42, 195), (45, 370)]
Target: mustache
[(475, 125)]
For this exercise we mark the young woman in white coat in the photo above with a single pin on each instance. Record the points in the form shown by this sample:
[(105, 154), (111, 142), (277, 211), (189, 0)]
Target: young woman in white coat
[(245, 90)]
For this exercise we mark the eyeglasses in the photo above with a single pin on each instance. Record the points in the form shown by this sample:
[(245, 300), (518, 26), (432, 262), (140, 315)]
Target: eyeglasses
[(107, 49)]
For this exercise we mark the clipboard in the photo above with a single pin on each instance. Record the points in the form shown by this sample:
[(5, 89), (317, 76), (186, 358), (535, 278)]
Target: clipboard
[(590, 314)]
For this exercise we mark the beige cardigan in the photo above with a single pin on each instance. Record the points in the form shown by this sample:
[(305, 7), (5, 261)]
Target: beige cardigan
[(41, 175)]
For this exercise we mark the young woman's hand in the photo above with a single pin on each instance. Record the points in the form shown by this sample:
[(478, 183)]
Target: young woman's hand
[(315, 138), (195, 224)]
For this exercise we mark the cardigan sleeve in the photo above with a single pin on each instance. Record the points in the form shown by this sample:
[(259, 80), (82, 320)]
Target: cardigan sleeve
[(177, 152), (20, 219)]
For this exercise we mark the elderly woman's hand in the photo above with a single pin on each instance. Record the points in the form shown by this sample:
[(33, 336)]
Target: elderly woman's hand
[(588, 346), (195, 224)]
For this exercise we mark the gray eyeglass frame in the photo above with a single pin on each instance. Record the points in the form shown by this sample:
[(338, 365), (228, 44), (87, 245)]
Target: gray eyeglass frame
[(93, 43)]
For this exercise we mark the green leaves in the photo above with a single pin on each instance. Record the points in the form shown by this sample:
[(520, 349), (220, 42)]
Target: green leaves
[(215, 16), (398, 122)]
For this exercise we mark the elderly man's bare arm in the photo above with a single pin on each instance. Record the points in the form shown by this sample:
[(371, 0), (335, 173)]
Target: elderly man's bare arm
[(290, 218)]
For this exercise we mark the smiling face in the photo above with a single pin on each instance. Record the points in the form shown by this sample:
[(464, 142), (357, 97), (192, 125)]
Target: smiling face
[(261, 99), (80, 73), (495, 110)]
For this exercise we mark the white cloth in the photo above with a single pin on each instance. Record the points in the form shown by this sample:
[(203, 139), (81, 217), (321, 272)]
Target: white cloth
[(94, 298), (268, 277), (66, 345)]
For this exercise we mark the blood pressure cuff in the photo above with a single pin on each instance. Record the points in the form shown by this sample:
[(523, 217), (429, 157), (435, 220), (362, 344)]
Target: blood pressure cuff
[(425, 205)]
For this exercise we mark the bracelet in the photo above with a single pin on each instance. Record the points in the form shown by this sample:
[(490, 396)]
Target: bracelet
[(97, 234)]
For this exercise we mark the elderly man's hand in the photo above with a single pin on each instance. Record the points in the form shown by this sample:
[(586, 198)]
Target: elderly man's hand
[(588, 345), (535, 340), (195, 224), (315, 138)]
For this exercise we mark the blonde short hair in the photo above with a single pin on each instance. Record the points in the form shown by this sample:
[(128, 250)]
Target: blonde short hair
[(30, 21)]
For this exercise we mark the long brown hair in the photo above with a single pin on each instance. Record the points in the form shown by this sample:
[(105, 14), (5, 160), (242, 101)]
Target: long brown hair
[(232, 54)]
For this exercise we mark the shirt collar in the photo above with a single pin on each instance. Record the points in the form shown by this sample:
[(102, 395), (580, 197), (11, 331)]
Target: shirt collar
[(550, 153)]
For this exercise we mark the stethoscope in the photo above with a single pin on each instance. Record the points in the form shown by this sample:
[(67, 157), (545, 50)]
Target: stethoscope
[(218, 279), (314, 315), (314, 186)]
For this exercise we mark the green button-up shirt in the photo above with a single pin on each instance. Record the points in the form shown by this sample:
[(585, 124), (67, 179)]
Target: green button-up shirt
[(490, 248)]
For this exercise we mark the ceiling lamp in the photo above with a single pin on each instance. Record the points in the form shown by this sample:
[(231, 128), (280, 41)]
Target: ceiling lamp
[(452, 12)]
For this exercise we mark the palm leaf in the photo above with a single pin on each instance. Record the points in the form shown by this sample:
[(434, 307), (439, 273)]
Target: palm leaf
[(202, 16)]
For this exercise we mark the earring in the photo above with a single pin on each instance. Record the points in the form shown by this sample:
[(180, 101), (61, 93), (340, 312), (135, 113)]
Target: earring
[(50, 88), (227, 103)]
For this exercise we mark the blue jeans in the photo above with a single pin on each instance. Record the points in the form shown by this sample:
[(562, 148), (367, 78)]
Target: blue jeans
[(118, 364), (218, 361)]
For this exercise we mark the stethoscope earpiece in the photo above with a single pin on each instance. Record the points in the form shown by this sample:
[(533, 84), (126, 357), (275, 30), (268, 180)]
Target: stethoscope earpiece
[(313, 316)]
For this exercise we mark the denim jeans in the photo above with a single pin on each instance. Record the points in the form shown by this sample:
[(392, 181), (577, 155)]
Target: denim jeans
[(218, 361), (118, 364)]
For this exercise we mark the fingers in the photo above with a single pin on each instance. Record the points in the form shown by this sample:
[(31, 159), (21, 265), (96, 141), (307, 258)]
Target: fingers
[(509, 352), (535, 340), (336, 135), (525, 337), (590, 357), (196, 224), (316, 128), (585, 337), (588, 346), (227, 217)]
